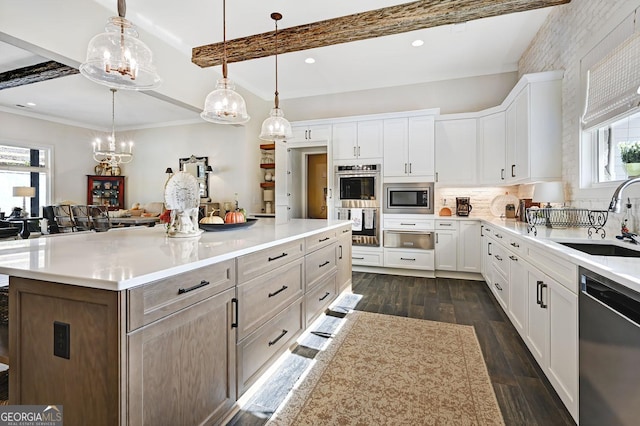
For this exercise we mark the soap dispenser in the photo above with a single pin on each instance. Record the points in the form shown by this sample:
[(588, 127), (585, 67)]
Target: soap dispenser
[(628, 223)]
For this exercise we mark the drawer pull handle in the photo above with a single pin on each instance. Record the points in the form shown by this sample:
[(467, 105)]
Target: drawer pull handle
[(513, 258), (271, 259), (408, 258), (498, 236), (357, 258), (324, 264), (445, 224), (274, 341), (344, 231), (498, 286), (195, 287), (324, 297), (323, 239), (516, 245), (498, 257), (284, 287), (407, 224)]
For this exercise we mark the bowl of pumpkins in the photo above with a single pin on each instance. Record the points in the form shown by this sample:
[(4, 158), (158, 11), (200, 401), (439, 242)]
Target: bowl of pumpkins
[(232, 219)]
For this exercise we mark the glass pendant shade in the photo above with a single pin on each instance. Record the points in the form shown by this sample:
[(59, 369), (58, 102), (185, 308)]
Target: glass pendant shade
[(224, 105), (275, 127), (118, 59)]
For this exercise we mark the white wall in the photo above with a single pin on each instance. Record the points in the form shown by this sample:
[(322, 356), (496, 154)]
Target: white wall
[(451, 96), (571, 30)]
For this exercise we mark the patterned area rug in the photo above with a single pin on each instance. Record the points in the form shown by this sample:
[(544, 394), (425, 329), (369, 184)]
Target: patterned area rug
[(384, 369)]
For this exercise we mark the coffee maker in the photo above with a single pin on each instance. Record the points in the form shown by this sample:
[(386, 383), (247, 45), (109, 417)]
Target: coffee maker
[(463, 206)]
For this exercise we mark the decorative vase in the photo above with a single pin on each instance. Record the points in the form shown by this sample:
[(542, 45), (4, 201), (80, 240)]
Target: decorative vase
[(633, 169)]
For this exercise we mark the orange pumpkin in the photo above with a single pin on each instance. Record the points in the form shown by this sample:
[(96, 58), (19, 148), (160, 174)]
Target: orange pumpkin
[(234, 217)]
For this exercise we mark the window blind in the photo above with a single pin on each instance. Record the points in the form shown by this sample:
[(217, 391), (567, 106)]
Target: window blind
[(612, 83)]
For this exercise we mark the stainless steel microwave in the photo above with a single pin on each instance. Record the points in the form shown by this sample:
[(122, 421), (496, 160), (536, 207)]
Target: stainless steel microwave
[(408, 198)]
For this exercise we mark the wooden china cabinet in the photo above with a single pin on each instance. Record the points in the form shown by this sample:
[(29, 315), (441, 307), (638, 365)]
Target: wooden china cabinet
[(106, 191)]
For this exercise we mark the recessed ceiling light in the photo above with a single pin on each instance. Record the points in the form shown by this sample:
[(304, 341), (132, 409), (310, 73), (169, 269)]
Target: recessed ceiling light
[(310, 61), (31, 104), (417, 43)]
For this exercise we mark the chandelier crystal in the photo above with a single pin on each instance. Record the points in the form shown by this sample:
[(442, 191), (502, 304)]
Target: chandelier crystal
[(118, 59), (276, 127), (224, 105), (110, 151)]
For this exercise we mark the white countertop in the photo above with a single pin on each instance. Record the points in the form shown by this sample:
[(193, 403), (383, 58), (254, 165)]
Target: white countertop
[(124, 258), (624, 270)]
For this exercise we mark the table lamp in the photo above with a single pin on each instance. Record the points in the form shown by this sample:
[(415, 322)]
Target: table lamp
[(550, 192), (24, 192)]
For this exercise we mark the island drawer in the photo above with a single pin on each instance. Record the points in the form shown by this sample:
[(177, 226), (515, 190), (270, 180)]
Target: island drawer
[(320, 297), (255, 264), (263, 297), (268, 342), (150, 302), (322, 239), (318, 264)]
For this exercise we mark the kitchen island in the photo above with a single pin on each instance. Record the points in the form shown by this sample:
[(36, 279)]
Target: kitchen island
[(132, 327)]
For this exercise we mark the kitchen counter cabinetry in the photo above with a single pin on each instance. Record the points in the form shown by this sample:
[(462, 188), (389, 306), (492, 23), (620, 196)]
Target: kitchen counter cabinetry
[(538, 292), (455, 141), (446, 247), (360, 140), (343, 256), (492, 148), (310, 133), (409, 149)]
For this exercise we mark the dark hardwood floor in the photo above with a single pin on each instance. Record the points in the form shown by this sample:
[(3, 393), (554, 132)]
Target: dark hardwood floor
[(524, 394)]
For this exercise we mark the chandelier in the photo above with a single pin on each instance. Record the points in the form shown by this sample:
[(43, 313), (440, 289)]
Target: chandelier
[(276, 127), (111, 152), (116, 58), (224, 105)]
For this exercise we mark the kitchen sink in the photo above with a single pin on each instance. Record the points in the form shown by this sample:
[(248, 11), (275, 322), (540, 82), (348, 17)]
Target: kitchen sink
[(603, 249)]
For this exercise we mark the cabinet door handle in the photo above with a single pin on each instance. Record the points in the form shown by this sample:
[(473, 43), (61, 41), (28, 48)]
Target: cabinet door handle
[(501, 174), (513, 170), (409, 168), (234, 307), (436, 238), (538, 293), (324, 297), (489, 249), (408, 258), (305, 134), (321, 240), (436, 176), (515, 259), (516, 245), (195, 287), (542, 304), (330, 194), (340, 256), (357, 258), (358, 151), (271, 259), (354, 151), (498, 257), (497, 286), (284, 287), (309, 133), (274, 341), (405, 167), (326, 262)]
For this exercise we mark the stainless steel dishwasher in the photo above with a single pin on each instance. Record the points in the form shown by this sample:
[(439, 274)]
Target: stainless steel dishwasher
[(609, 333)]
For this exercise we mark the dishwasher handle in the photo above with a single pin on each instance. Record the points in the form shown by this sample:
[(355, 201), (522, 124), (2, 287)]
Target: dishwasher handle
[(620, 300)]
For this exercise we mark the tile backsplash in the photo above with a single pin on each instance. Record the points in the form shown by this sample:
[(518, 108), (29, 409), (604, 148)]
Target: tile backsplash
[(481, 197)]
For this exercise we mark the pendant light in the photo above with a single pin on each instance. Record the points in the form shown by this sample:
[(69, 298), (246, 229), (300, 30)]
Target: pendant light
[(224, 105), (117, 59), (112, 154), (276, 127)]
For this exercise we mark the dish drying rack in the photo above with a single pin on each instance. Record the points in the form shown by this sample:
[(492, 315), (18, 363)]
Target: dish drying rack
[(593, 220)]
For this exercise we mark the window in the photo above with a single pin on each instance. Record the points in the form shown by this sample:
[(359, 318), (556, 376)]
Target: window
[(24, 166), (608, 139)]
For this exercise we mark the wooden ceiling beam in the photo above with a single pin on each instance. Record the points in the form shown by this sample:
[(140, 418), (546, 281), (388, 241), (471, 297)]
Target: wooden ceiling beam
[(402, 18), (34, 74)]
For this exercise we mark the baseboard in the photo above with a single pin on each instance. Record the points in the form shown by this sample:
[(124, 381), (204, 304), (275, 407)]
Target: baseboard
[(419, 273)]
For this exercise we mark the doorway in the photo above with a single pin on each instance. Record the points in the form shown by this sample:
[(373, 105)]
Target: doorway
[(317, 186)]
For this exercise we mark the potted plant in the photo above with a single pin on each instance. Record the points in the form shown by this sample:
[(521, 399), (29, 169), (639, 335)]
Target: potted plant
[(630, 154)]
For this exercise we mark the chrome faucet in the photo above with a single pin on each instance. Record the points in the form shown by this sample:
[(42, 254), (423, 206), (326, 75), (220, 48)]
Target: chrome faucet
[(616, 201)]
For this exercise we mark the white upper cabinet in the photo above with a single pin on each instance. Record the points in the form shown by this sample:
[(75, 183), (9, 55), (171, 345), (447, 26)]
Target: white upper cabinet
[(360, 140), (492, 149), (534, 129), (310, 133), (455, 141), (409, 149)]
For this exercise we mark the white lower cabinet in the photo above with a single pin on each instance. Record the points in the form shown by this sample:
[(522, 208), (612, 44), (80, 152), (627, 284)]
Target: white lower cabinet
[(364, 257), (409, 259), (446, 245), (469, 259), (518, 292)]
